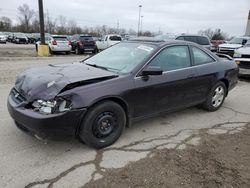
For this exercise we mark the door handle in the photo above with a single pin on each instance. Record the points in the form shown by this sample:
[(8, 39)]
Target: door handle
[(190, 76)]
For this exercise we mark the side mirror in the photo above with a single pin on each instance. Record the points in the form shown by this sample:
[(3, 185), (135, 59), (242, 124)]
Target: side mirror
[(152, 71)]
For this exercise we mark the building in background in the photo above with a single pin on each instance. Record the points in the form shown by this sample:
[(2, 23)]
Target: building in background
[(248, 25)]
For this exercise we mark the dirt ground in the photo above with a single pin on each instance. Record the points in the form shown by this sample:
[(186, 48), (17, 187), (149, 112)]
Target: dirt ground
[(219, 161)]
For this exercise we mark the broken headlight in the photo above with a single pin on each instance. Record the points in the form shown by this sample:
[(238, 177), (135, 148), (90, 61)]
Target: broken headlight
[(50, 107)]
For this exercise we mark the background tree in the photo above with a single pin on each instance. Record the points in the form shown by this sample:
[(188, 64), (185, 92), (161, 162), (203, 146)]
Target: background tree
[(25, 16), (61, 29), (216, 34), (5, 24), (207, 32)]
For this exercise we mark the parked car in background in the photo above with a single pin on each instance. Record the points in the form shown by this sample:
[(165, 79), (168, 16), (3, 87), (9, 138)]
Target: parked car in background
[(59, 43), (165, 37), (19, 38), (198, 39), (83, 43), (215, 45), (229, 47), (96, 98), (31, 39), (107, 41), (3, 38), (242, 58)]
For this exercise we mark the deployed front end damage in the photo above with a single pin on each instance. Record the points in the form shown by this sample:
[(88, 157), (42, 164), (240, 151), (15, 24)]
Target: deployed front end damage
[(37, 103)]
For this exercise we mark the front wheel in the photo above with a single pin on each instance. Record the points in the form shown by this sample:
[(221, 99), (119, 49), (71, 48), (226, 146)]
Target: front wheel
[(215, 97), (103, 124)]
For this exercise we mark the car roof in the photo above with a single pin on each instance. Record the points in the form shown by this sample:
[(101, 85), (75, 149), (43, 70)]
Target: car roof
[(187, 35), (158, 42)]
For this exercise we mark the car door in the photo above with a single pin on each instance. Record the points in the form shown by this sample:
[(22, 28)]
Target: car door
[(101, 44), (173, 89), (207, 71)]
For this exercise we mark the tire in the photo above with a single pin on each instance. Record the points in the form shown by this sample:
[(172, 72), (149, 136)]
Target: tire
[(95, 51), (102, 125), (50, 51), (67, 53), (77, 51), (215, 97)]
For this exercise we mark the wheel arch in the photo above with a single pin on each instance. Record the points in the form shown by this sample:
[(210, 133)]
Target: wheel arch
[(115, 99), (226, 82)]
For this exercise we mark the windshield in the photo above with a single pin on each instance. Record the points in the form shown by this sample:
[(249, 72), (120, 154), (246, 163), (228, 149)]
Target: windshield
[(58, 38), (86, 38), (236, 41), (121, 58)]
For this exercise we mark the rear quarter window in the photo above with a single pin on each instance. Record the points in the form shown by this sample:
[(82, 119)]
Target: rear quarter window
[(115, 38), (60, 38), (201, 57)]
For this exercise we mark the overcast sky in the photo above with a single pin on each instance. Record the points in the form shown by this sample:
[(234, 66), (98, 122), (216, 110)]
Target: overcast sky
[(175, 16)]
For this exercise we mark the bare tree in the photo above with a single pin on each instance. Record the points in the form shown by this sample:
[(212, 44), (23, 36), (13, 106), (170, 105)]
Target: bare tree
[(50, 25), (61, 29), (25, 16), (5, 24), (73, 28), (207, 32)]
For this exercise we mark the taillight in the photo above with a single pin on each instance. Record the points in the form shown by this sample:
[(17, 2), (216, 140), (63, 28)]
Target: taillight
[(94, 43), (80, 43), (69, 42), (54, 42)]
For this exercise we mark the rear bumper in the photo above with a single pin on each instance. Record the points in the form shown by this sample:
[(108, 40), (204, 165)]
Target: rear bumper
[(60, 49), (60, 126)]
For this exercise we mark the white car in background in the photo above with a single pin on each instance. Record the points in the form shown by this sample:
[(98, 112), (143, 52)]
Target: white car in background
[(107, 41), (242, 58), (229, 47), (57, 43), (3, 38)]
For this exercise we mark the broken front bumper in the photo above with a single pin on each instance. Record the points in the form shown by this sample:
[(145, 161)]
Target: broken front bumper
[(61, 126)]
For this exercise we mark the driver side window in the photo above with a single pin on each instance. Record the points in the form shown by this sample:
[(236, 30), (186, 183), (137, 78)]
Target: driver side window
[(172, 58)]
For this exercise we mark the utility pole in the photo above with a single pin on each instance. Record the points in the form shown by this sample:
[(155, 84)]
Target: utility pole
[(141, 23), (41, 18), (139, 20), (118, 25)]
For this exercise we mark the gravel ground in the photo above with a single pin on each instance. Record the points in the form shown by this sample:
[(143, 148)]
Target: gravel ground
[(219, 161)]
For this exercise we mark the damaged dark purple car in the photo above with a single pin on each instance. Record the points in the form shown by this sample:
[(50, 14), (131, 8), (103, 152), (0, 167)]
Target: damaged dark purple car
[(96, 98)]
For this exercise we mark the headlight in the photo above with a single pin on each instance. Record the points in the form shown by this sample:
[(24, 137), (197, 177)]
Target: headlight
[(236, 54), (50, 107)]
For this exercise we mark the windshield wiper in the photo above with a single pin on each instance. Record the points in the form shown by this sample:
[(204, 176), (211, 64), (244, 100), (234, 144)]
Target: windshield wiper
[(97, 66), (101, 67)]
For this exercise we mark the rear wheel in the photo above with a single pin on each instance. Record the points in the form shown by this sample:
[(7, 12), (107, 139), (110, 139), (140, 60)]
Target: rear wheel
[(215, 97), (103, 124), (77, 51), (50, 51)]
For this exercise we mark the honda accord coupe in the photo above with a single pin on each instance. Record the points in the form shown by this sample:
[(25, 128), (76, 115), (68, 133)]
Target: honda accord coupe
[(96, 98)]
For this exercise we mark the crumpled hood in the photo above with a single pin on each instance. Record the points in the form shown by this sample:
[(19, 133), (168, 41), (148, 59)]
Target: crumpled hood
[(46, 82), (243, 50), (227, 45)]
